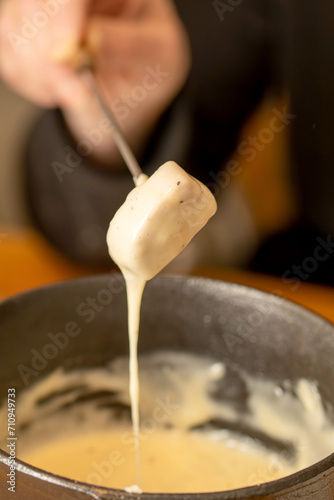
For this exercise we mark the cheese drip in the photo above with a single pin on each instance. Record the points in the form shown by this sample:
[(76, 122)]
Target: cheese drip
[(157, 220)]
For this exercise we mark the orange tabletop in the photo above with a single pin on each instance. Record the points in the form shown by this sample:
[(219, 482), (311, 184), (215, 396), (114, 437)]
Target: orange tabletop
[(27, 260)]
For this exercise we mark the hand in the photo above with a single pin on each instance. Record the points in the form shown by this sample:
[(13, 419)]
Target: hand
[(140, 52)]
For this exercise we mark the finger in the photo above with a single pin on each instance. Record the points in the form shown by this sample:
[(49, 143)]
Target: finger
[(118, 8), (122, 43), (131, 8), (36, 40), (68, 30)]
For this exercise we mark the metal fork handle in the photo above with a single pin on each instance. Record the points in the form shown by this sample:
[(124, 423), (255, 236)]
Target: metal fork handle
[(86, 67)]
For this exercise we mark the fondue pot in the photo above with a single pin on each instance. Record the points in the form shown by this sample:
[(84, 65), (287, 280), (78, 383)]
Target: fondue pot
[(264, 335)]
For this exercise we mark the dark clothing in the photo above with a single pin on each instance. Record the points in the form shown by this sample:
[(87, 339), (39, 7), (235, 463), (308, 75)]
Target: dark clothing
[(239, 53)]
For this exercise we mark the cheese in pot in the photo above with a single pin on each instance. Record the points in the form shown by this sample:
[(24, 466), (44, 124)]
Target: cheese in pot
[(194, 436)]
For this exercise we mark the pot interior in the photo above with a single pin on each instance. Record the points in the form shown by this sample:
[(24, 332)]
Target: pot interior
[(83, 323)]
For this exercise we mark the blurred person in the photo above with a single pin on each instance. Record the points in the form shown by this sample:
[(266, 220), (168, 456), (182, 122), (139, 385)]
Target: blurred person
[(181, 77)]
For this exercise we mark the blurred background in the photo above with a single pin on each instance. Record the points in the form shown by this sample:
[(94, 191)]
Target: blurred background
[(270, 215), (256, 203)]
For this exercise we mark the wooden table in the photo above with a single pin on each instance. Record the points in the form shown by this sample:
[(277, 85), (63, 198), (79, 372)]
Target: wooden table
[(27, 261)]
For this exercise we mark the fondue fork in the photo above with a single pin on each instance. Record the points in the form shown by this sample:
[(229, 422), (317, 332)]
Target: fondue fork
[(86, 67)]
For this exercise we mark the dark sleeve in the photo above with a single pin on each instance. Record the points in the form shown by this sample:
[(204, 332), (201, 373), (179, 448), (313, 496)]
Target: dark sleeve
[(73, 200)]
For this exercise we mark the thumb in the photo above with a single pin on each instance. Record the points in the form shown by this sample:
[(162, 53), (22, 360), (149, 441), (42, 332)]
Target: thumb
[(68, 30), (68, 34)]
